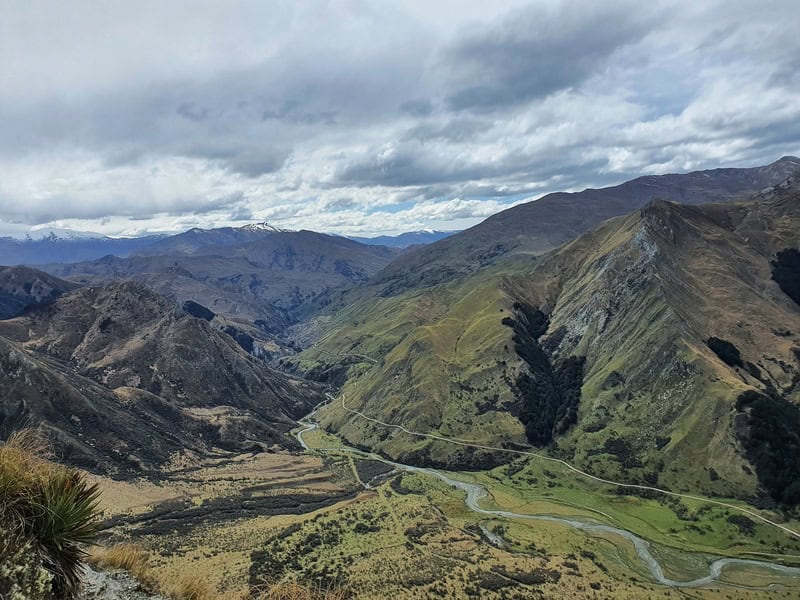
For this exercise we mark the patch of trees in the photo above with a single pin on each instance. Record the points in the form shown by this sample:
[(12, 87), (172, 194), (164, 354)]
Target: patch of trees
[(198, 310), (621, 450), (726, 351), (786, 272), (772, 443), (548, 394), (746, 525), (245, 340)]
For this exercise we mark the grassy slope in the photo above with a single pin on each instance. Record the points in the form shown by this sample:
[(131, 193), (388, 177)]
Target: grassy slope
[(638, 295), (440, 354)]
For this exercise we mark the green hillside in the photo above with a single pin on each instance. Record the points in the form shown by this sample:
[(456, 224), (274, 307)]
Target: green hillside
[(637, 298)]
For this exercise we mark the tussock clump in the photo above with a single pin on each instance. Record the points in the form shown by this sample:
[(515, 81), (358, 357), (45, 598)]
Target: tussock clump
[(295, 590), (189, 587), (50, 509), (125, 557)]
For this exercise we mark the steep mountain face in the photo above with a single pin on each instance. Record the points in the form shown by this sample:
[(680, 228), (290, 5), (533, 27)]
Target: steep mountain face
[(255, 286), (604, 351), (66, 246), (544, 224), (127, 363), (21, 287)]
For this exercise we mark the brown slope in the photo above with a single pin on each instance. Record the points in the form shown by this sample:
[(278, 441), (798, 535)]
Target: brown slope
[(262, 280), (132, 342), (544, 224), (21, 287)]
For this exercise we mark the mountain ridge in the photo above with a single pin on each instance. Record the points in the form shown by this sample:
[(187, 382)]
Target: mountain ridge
[(535, 227), (638, 298), (125, 352)]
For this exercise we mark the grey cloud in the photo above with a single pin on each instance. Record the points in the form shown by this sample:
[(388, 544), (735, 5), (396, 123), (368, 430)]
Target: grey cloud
[(339, 204), (536, 51), (257, 161), (291, 112), (189, 110), (241, 214), (326, 113), (453, 130), (418, 107)]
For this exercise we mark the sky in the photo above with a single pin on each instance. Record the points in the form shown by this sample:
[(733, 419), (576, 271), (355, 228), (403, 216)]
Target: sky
[(374, 117)]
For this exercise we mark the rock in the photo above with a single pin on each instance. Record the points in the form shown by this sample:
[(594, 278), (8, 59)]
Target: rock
[(113, 585)]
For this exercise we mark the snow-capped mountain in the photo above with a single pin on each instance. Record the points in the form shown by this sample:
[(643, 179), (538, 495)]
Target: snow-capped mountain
[(51, 245), (52, 234)]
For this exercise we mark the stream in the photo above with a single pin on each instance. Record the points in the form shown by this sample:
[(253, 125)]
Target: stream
[(475, 492)]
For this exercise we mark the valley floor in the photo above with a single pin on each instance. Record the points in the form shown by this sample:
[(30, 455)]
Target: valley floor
[(344, 519)]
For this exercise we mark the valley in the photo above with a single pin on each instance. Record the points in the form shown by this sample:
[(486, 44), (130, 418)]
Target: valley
[(528, 527), (611, 416)]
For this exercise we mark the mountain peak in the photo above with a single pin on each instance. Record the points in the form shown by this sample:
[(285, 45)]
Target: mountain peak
[(263, 226)]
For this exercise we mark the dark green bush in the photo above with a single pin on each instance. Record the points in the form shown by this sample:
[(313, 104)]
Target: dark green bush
[(772, 443), (548, 395), (726, 351), (786, 272)]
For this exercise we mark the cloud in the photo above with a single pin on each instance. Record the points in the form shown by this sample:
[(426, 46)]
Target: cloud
[(537, 50), (360, 115)]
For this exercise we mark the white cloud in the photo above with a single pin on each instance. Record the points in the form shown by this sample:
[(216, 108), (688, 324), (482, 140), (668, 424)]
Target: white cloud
[(123, 118)]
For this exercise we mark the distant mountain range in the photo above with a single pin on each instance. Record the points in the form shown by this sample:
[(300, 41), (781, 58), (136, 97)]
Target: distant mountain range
[(256, 275), (61, 245), (51, 245), (405, 240)]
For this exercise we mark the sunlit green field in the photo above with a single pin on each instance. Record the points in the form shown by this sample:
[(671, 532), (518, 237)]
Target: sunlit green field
[(685, 536)]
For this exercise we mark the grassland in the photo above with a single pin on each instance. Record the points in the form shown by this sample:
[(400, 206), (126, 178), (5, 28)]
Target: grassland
[(412, 536), (685, 536)]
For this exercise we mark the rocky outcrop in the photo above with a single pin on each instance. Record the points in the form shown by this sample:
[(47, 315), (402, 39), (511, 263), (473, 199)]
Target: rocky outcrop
[(113, 585)]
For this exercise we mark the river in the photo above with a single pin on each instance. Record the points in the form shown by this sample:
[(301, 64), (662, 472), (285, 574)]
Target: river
[(475, 492)]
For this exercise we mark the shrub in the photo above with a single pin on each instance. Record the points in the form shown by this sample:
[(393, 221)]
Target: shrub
[(746, 525), (727, 352), (53, 509), (295, 590), (786, 272), (772, 443)]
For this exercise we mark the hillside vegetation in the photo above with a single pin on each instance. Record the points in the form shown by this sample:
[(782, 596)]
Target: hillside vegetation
[(48, 516), (642, 297)]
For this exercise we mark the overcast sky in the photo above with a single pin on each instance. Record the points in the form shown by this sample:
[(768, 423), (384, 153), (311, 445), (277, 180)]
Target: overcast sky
[(361, 117)]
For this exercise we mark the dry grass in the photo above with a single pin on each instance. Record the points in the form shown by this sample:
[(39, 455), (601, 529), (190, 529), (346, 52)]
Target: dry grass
[(51, 506), (126, 557), (23, 467), (294, 590), (135, 560), (189, 587)]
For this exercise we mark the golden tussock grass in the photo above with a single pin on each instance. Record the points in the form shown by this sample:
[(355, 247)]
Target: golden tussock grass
[(295, 590), (52, 507), (135, 560), (126, 557)]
